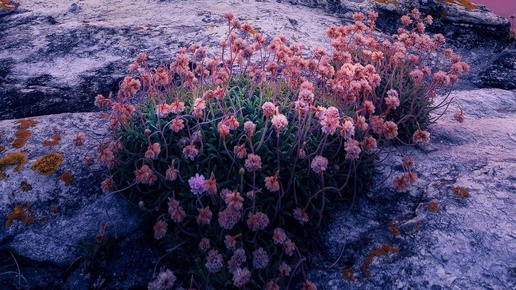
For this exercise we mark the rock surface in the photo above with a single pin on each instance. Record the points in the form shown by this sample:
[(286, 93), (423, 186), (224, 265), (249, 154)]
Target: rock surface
[(57, 56), (54, 219), (467, 243)]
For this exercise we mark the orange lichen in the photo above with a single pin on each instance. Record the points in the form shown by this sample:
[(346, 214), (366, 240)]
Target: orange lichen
[(464, 3), (48, 164), (25, 185), (53, 141), (460, 191), (382, 251), (17, 159), (25, 124), (21, 137), (394, 229), (67, 177), (9, 5), (433, 206), (348, 275), (21, 213)]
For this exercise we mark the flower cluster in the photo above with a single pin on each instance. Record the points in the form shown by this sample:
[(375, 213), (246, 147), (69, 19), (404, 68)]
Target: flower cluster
[(229, 151)]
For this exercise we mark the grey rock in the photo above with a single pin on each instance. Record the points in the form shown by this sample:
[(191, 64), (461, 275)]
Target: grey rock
[(469, 243), (57, 57), (64, 215), (502, 72)]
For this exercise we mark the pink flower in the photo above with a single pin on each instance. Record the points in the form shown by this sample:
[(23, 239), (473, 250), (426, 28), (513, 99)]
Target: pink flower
[(241, 277), (175, 210), (240, 151), (249, 128), (210, 185), (190, 152), (284, 270), (405, 20), (153, 151), (272, 182), (352, 149), (232, 123), (79, 139), (171, 173), (257, 221), (145, 175), (319, 164), (390, 130), (177, 125), (268, 109), (421, 136), (253, 162), (279, 121), (369, 144), (177, 107), (107, 185), (204, 217), (279, 236), (417, 75), (214, 261), (300, 215), (260, 258), (348, 129), (234, 200), (223, 129), (162, 110), (330, 121), (392, 100), (160, 229), (196, 184)]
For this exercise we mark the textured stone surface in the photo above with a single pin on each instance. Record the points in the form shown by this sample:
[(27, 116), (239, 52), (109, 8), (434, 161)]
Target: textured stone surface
[(502, 72), (469, 243), (65, 215), (57, 56)]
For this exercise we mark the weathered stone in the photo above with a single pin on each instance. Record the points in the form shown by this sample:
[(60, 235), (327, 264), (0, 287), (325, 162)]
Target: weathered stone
[(502, 72), (466, 243), (57, 57), (63, 215)]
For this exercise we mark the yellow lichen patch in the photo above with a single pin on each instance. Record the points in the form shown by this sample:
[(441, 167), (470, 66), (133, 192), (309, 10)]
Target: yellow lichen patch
[(21, 137), (67, 177), (382, 251), (21, 213), (460, 191), (48, 164), (25, 123), (394, 229), (53, 141), (433, 206), (348, 275), (17, 159), (9, 5), (464, 3)]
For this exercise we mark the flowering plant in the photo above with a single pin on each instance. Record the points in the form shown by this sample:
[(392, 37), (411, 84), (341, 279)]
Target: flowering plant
[(239, 156)]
